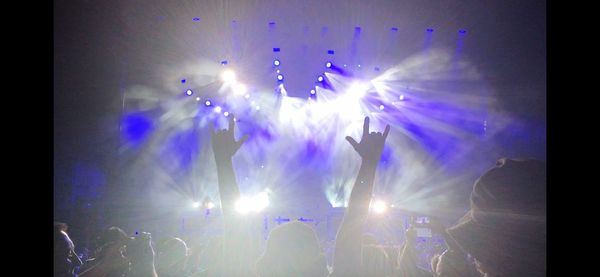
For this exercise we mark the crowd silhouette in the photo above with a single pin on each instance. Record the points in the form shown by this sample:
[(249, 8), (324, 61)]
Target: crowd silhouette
[(502, 234)]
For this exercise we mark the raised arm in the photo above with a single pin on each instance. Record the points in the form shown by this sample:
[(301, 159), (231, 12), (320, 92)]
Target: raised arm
[(224, 147), (347, 256)]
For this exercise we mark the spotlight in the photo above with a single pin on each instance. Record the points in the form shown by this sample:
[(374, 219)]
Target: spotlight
[(228, 76), (207, 103), (226, 114), (430, 30), (189, 92), (312, 91), (278, 70), (320, 78), (217, 109), (198, 98), (328, 64), (210, 205), (402, 97), (381, 107), (380, 207), (183, 81), (196, 204), (358, 89), (243, 205), (258, 108), (276, 62), (280, 77)]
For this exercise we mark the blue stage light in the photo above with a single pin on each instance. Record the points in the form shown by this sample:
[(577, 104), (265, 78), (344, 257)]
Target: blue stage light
[(320, 78), (276, 49), (196, 19), (276, 62), (429, 30), (312, 91), (462, 31), (330, 52), (183, 81), (280, 77), (223, 62), (328, 64), (189, 92), (207, 103)]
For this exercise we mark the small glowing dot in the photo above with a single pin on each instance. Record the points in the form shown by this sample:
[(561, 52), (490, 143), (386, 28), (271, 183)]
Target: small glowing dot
[(217, 109), (278, 70), (344, 65), (320, 79), (402, 97), (247, 96), (196, 204), (280, 77), (189, 92), (197, 98), (207, 103), (226, 113), (183, 81), (359, 65), (381, 107), (210, 205), (312, 91), (258, 108), (328, 64), (276, 62)]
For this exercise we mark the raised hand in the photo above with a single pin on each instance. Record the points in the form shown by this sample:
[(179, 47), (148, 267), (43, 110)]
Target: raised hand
[(223, 141), (371, 144)]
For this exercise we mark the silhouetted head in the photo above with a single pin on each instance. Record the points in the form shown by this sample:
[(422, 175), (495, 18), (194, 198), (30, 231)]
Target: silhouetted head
[(505, 229), (171, 257), (110, 237), (292, 250), (375, 261), (64, 251)]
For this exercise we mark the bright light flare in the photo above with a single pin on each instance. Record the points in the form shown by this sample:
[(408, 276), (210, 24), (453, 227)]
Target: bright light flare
[(228, 76), (218, 109), (380, 207), (254, 204), (196, 205), (210, 205)]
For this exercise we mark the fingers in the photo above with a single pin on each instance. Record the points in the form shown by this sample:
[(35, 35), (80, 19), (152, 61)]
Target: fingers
[(231, 123), (366, 127), (387, 131), (242, 140), (211, 129), (352, 142)]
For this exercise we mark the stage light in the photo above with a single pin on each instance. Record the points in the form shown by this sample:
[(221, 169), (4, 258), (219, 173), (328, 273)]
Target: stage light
[(226, 114), (228, 76), (183, 81), (276, 62), (196, 204), (278, 71), (207, 103), (243, 205), (430, 30), (381, 107), (359, 65), (320, 78), (379, 207), (217, 109), (239, 89), (280, 77), (312, 91), (196, 19), (198, 98), (189, 92), (462, 31), (401, 97), (210, 205), (358, 89), (258, 108), (328, 64)]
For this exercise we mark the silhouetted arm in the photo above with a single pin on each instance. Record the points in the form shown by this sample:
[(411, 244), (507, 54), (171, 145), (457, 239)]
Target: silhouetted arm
[(237, 244), (224, 147), (347, 255)]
